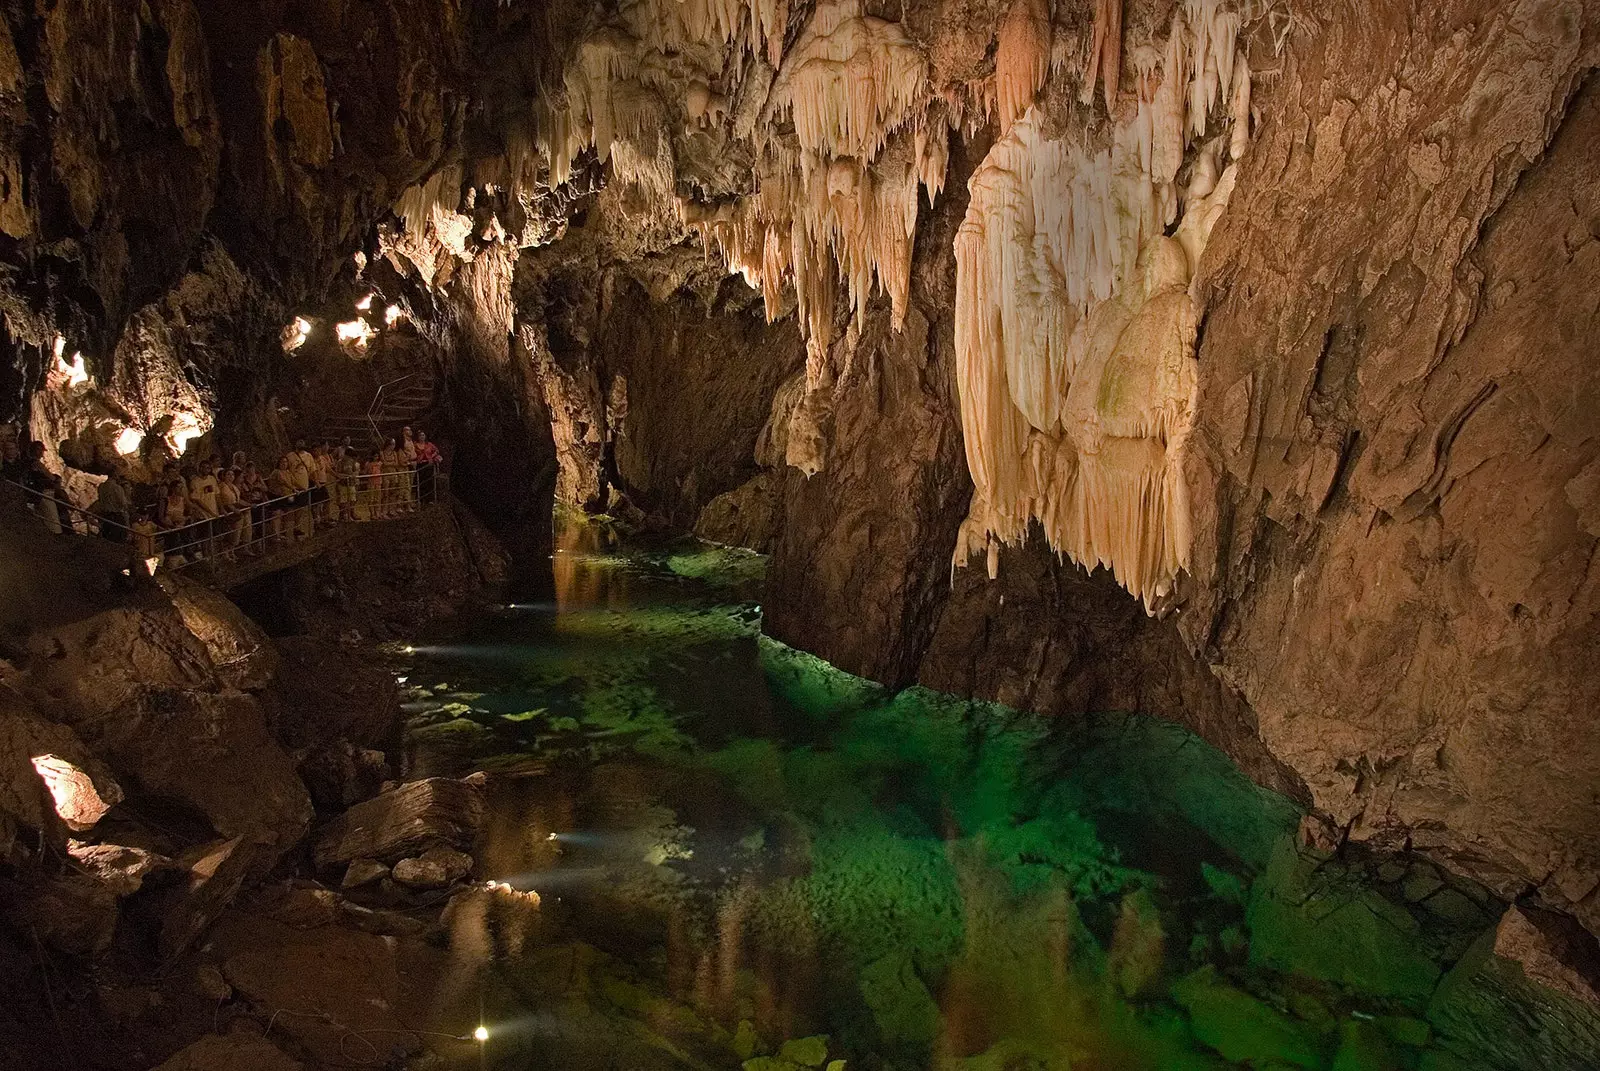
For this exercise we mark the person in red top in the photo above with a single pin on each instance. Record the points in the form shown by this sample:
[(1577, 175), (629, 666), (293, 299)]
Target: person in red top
[(428, 458)]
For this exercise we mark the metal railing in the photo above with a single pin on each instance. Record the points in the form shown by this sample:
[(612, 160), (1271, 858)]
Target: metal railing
[(376, 407), (255, 529)]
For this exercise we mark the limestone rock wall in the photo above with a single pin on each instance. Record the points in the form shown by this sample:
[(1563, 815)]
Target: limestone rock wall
[(1393, 472)]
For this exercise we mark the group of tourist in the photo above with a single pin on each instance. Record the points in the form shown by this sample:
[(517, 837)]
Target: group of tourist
[(211, 510)]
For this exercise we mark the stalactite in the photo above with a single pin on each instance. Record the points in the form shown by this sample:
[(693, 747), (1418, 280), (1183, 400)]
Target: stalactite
[(849, 82), (1022, 59), (1105, 53), (1075, 325)]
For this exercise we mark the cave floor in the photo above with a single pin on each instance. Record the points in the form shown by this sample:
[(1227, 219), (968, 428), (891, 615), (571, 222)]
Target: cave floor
[(747, 857)]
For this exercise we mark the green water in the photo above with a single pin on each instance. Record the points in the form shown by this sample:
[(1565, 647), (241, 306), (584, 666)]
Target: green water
[(747, 858)]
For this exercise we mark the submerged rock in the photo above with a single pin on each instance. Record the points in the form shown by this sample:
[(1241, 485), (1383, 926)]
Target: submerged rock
[(1492, 1009), (1240, 1027)]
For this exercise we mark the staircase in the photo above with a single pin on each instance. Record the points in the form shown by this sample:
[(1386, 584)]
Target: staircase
[(400, 403)]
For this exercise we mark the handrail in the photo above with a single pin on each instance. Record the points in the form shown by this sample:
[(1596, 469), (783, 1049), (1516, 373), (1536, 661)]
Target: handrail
[(377, 405), (235, 530), (86, 514)]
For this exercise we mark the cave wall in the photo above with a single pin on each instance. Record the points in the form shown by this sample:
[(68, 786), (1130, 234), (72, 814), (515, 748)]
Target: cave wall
[(1390, 612), (1394, 465), (700, 379), (179, 176)]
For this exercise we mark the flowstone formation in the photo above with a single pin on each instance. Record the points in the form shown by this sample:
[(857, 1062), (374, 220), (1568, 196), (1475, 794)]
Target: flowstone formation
[(1075, 330)]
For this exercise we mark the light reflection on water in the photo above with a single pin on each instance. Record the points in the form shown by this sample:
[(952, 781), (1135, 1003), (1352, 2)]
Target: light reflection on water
[(735, 846)]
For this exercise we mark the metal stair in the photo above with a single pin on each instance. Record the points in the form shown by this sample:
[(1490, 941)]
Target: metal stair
[(397, 404)]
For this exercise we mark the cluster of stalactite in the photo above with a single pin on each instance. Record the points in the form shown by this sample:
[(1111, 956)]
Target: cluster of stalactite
[(1074, 323), (1075, 327)]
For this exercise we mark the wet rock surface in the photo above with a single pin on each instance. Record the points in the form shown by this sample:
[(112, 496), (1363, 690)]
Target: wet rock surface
[(389, 827)]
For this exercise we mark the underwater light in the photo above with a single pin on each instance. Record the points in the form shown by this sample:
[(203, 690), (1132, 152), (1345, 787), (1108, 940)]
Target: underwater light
[(482, 1033), (408, 649)]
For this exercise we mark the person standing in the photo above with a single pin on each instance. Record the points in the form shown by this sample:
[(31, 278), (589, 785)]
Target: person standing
[(393, 463), (408, 460), (300, 465), (283, 492), (322, 485), (114, 506), (428, 459), (235, 522), (254, 491), (203, 494), (345, 470), (174, 516), (46, 485), (371, 500)]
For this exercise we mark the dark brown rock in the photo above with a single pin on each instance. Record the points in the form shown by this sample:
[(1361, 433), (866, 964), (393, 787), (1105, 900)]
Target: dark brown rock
[(746, 517), (215, 877), (241, 652), (412, 817), (119, 868), (327, 692), (1394, 553), (1553, 950), (73, 913), (433, 869), (231, 1052)]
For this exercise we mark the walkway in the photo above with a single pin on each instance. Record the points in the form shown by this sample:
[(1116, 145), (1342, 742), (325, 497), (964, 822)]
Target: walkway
[(238, 547)]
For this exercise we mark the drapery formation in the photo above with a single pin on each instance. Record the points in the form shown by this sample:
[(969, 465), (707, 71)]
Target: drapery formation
[(1074, 325)]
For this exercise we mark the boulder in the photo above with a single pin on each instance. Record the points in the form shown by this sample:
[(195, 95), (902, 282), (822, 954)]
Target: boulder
[(216, 875), (326, 984), (231, 1052), (118, 867), (243, 654), (434, 869), (1553, 950), (73, 913), (213, 753), (341, 774), (421, 873), (400, 823), (326, 692), (363, 872), (746, 517), (48, 777)]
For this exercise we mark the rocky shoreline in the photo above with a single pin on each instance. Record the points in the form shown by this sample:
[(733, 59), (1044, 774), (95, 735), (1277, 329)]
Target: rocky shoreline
[(174, 780)]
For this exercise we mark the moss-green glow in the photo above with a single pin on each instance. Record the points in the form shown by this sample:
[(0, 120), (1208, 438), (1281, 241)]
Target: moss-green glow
[(929, 882)]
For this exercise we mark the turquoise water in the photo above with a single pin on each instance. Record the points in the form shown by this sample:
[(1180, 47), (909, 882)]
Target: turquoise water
[(743, 857)]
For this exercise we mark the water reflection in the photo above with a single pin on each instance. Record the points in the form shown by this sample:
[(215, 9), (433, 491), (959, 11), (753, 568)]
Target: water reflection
[(711, 846)]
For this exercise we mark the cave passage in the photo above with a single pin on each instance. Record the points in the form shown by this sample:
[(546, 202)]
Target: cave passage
[(744, 852)]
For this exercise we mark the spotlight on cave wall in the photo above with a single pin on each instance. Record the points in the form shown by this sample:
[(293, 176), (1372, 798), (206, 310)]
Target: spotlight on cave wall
[(186, 427), (295, 335), (129, 440), (355, 333), (77, 801)]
